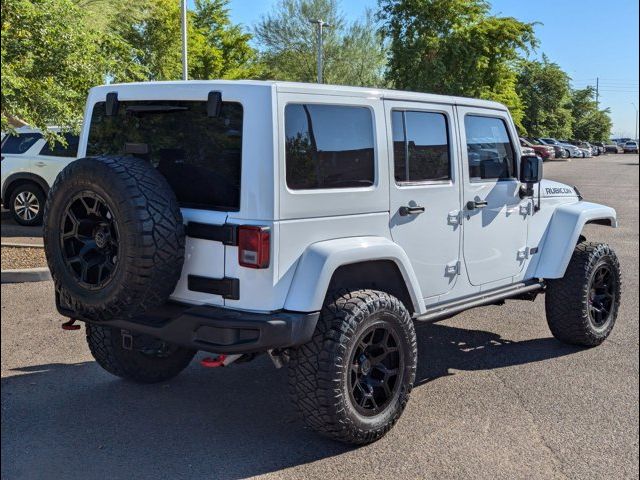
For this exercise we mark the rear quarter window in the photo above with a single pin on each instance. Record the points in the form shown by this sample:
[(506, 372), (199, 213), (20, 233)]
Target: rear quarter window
[(57, 149), (328, 146)]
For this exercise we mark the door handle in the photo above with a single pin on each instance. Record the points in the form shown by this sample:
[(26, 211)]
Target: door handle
[(404, 211), (40, 164), (472, 205)]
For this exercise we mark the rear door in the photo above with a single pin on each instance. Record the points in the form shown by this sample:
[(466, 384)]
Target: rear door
[(425, 191), (200, 157), (495, 217)]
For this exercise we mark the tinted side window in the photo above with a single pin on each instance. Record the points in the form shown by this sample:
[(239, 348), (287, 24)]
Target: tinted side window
[(491, 155), (328, 146), (59, 150), (200, 156), (420, 146), (20, 143)]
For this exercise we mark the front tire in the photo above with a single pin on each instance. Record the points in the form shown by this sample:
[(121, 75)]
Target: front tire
[(27, 204), (139, 358), (352, 381), (582, 307)]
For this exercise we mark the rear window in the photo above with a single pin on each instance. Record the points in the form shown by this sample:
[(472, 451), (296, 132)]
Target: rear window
[(420, 146), (200, 156), (329, 146), (58, 150), (17, 144)]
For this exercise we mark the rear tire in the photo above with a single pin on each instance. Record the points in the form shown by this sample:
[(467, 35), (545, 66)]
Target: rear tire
[(582, 307), (351, 382), (147, 361), (27, 204)]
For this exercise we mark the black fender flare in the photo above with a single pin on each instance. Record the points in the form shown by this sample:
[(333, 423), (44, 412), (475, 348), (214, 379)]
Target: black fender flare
[(20, 176)]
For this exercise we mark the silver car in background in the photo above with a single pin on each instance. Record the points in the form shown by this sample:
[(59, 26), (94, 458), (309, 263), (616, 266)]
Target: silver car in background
[(572, 150)]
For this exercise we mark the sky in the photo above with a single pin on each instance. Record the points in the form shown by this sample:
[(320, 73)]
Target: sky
[(589, 39)]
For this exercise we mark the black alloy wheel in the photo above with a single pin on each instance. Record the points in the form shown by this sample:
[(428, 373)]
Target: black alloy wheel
[(376, 370), (89, 240), (602, 295)]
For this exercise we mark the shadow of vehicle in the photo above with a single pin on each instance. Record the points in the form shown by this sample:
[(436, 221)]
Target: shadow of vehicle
[(10, 229), (76, 421), (443, 348)]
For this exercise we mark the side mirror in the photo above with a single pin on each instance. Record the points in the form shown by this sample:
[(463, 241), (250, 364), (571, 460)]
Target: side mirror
[(530, 169)]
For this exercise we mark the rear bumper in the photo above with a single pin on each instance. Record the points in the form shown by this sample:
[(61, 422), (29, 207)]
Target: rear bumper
[(221, 330)]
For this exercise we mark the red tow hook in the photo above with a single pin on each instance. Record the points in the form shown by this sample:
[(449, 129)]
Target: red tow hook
[(209, 362), (70, 325)]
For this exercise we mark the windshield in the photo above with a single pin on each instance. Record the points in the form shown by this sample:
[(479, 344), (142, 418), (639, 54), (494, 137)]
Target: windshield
[(549, 140), (200, 156)]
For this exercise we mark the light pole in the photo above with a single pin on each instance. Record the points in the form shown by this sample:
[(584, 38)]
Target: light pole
[(636, 130), (321, 24), (185, 70)]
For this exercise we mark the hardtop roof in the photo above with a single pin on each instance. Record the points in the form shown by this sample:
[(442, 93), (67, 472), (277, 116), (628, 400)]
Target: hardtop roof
[(314, 88)]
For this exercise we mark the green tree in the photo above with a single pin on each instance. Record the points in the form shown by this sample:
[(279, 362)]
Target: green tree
[(588, 122), (544, 90), (217, 48), (353, 54), (48, 63), (455, 47), (220, 48)]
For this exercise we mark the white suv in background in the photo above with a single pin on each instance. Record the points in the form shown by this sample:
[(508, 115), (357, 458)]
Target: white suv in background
[(30, 165)]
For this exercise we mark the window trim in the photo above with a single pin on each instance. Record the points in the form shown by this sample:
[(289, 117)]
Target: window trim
[(516, 158), (310, 191), (414, 183)]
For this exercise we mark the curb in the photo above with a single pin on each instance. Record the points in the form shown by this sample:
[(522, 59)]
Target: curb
[(25, 275), (21, 245)]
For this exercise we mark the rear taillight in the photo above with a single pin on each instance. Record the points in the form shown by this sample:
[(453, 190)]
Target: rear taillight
[(253, 246)]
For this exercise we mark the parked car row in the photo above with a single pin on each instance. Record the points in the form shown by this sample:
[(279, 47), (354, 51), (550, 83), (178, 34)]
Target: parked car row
[(551, 148)]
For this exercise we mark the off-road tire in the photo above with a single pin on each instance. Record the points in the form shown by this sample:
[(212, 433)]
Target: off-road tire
[(107, 348), (318, 370), (27, 189), (567, 299), (150, 230)]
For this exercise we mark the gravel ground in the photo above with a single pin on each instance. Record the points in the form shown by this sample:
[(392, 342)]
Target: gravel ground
[(496, 396), (22, 257)]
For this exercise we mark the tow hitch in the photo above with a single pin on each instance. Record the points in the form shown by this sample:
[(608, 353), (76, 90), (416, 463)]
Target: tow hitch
[(219, 361)]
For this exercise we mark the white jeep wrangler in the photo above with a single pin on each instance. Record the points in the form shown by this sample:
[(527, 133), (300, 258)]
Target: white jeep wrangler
[(313, 223)]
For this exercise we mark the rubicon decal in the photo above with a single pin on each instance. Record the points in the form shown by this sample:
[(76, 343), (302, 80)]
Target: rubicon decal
[(558, 191)]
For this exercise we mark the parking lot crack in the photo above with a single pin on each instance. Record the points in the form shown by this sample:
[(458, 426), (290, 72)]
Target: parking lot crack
[(558, 462)]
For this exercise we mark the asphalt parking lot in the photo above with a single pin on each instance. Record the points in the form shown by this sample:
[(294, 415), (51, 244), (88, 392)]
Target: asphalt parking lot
[(496, 395)]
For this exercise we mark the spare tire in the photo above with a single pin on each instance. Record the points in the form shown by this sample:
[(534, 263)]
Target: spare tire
[(113, 237)]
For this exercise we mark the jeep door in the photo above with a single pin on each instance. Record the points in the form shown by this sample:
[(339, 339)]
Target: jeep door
[(495, 217), (425, 191)]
